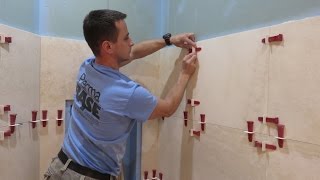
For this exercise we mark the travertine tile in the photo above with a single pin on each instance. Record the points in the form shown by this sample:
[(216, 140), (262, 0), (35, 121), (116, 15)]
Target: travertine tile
[(298, 160), (294, 76), (19, 72), (230, 81), (225, 153), (220, 153)]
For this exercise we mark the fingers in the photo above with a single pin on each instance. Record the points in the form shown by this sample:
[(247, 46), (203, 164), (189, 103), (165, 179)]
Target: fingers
[(191, 58), (189, 43), (191, 36)]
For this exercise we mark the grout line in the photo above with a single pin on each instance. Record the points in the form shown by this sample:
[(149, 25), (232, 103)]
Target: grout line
[(239, 129)]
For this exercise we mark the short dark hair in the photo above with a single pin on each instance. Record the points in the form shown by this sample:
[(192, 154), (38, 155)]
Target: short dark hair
[(99, 25)]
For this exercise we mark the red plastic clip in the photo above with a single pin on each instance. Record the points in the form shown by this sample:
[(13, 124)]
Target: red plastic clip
[(197, 49), (145, 175), (154, 173), (267, 146), (59, 119), (12, 122), (277, 38), (34, 119), (185, 115), (6, 108), (203, 121), (160, 176), (274, 120), (7, 133), (44, 118), (8, 39), (280, 135), (193, 102), (250, 131), (194, 133)]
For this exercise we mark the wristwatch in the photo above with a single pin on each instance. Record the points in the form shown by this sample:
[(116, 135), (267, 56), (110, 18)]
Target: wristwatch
[(166, 38)]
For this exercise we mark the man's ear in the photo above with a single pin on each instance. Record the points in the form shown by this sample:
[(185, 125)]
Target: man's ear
[(107, 47)]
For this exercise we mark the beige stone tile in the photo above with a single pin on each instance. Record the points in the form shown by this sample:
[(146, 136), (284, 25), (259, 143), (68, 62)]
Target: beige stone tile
[(230, 81), (173, 148), (19, 72), (225, 153), (294, 76), (298, 160), (220, 153)]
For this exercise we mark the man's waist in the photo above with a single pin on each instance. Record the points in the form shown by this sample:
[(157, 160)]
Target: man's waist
[(82, 169)]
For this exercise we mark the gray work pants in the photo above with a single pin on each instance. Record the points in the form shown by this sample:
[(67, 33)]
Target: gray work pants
[(59, 171)]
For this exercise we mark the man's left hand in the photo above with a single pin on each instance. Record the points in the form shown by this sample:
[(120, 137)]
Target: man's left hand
[(185, 40)]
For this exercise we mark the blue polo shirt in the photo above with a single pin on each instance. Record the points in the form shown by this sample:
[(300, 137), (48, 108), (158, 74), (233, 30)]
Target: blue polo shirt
[(107, 104)]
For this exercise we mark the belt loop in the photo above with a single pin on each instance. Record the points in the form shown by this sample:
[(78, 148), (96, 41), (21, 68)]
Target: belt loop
[(66, 165), (82, 177)]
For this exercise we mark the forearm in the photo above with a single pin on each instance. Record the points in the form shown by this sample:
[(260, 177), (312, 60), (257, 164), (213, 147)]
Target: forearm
[(146, 48), (175, 94)]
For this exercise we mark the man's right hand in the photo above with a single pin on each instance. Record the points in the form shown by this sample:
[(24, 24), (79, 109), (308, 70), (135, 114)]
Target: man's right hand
[(189, 63)]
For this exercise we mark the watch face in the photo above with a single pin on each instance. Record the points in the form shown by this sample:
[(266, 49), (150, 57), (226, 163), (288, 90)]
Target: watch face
[(168, 35)]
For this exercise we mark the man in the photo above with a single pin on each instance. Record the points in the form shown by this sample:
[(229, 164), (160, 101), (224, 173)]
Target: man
[(107, 103)]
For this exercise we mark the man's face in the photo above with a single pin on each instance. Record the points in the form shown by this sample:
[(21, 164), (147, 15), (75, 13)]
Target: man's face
[(124, 42)]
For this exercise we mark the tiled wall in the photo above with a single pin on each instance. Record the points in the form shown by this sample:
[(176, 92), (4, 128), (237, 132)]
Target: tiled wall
[(20, 88), (239, 78)]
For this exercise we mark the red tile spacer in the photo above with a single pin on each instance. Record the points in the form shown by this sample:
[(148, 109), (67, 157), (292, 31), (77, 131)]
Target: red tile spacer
[(185, 115), (250, 130), (160, 176), (145, 175), (7, 108), (280, 135), (7, 133), (8, 39), (274, 120), (258, 144), (34, 118), (193, 102), (194, 133), (154, 173), (44, 118), (277, 38), (59, 119), (12, 122), (271, 147), (203, 121), (267, 146), (198, 49)]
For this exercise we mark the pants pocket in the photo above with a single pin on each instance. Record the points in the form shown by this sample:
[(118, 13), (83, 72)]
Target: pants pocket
[(47, 175)]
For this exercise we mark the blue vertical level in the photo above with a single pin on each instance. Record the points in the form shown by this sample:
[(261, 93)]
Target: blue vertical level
[(132, 158)]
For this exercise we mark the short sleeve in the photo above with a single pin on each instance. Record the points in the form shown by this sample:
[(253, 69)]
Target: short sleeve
[(141, 104)]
